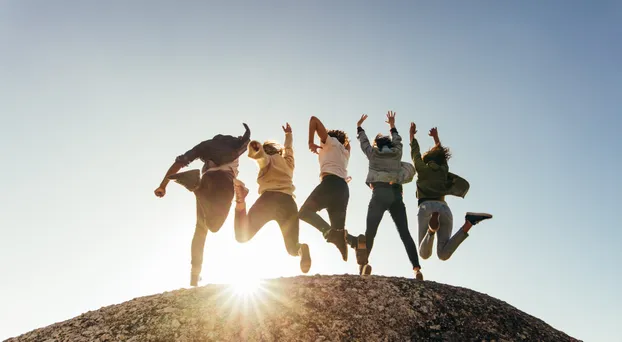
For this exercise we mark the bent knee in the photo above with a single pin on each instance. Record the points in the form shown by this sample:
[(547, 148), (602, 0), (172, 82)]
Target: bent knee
[(444, 256), (425, 256), (241, 238)]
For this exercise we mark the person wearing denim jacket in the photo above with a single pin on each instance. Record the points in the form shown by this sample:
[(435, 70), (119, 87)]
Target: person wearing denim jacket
[(387, 173)]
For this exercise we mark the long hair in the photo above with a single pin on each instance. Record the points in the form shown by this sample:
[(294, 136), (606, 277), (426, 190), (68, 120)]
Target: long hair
[(341, 136), (272, 147), (438, 154)]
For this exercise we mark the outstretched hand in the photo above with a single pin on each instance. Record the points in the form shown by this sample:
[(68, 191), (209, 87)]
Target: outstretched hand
[(287, 128), (433, 132), (391, 118), (413, 130), (361, 120)]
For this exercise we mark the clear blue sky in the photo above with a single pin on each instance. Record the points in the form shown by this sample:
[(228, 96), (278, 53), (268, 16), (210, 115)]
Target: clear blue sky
[(97, 99)]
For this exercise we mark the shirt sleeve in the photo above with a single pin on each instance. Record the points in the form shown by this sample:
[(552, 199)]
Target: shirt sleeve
[(192, 154)]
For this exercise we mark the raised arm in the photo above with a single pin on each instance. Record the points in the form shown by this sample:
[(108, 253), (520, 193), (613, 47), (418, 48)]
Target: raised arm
[(316, 126), (434, 134), (256, 151), (288, 153), (415, 150), (362, 137), (395, 137)]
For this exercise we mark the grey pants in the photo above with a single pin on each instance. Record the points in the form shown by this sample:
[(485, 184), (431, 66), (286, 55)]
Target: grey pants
[(446, 244)]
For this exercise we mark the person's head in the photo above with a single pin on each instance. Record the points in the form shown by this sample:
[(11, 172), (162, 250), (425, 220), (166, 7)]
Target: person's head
[(438, 154), (272, 148), (341, 136), (382, 141)]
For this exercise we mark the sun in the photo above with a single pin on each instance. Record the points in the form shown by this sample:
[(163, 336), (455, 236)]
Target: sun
[(246, 286)]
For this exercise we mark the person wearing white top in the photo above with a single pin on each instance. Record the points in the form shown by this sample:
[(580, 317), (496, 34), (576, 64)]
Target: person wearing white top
[(333, 192)]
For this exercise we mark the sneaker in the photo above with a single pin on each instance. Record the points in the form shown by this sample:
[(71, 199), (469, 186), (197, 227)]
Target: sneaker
[(418, 275), (361, 250), (338, 238), (305, 258), (240, 189), (475, 218), (365, 270)]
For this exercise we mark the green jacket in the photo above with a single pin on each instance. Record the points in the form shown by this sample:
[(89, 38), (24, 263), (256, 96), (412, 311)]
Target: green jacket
[(435, 181)]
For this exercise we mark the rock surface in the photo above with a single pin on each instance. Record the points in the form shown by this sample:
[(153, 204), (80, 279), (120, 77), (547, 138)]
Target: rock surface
[(317, 308)]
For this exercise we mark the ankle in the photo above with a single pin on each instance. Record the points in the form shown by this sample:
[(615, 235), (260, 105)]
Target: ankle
[(239, 206)]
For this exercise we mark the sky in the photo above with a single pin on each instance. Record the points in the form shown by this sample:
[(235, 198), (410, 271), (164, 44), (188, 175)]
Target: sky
[(98, 98)]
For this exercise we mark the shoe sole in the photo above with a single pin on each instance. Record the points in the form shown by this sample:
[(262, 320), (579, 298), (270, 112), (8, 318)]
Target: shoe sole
[(486, 215), (361, 250), (366, 270), (305, 259), (419, 276)]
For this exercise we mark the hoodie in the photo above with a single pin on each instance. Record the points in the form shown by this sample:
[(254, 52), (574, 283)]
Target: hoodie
[(275, 171)]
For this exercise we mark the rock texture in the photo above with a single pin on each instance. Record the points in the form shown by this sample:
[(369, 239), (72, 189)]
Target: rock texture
[(318, 308)]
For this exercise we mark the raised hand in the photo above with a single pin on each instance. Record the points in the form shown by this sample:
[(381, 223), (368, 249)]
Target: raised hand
[(361, 120), (391, 118), (433, 132), (413, 130), (287, 128), (255, 145)]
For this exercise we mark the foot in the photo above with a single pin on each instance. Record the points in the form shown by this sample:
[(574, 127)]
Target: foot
[(338, 238), (365, 270), (361, 250), (418, 275), (475, 218), (241, 191), (195, 279), (305, 258)]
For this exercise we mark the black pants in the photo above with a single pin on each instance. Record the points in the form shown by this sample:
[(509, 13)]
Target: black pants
[(389, 197), (271, 205), (213, 199), (333, 195)]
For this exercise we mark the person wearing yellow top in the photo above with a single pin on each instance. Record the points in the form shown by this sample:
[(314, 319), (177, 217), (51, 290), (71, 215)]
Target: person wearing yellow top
[(276, 200)]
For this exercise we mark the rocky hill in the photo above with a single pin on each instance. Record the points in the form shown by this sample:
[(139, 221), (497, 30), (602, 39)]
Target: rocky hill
[(317, 308)]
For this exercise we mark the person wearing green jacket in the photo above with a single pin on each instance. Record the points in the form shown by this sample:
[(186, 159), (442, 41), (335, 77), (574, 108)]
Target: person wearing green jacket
[(434, 182)]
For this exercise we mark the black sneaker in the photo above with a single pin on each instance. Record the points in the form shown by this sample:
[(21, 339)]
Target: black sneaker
[(338, 238), (305, 258), (361, 250), (475, 218), (365, 270)]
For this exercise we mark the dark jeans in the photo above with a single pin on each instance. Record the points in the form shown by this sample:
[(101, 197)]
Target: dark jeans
[(271, 205), (388, 197), (333, 195), (213, 200)]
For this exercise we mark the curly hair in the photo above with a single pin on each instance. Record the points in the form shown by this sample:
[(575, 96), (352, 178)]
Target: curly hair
[(340, 135), (438, 154), (272, 148)]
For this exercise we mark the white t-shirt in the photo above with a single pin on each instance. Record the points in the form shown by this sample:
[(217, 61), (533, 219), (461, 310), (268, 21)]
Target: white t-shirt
[(231, 167), (334, 158)]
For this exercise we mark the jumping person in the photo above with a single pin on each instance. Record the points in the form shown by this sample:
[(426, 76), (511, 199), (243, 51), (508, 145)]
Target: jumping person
[(276, 200), (332, 193), (434, 182), (212, 187), (385, 177)]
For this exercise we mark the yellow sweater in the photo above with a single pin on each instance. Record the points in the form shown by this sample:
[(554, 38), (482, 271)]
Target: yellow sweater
[(275, 171)]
